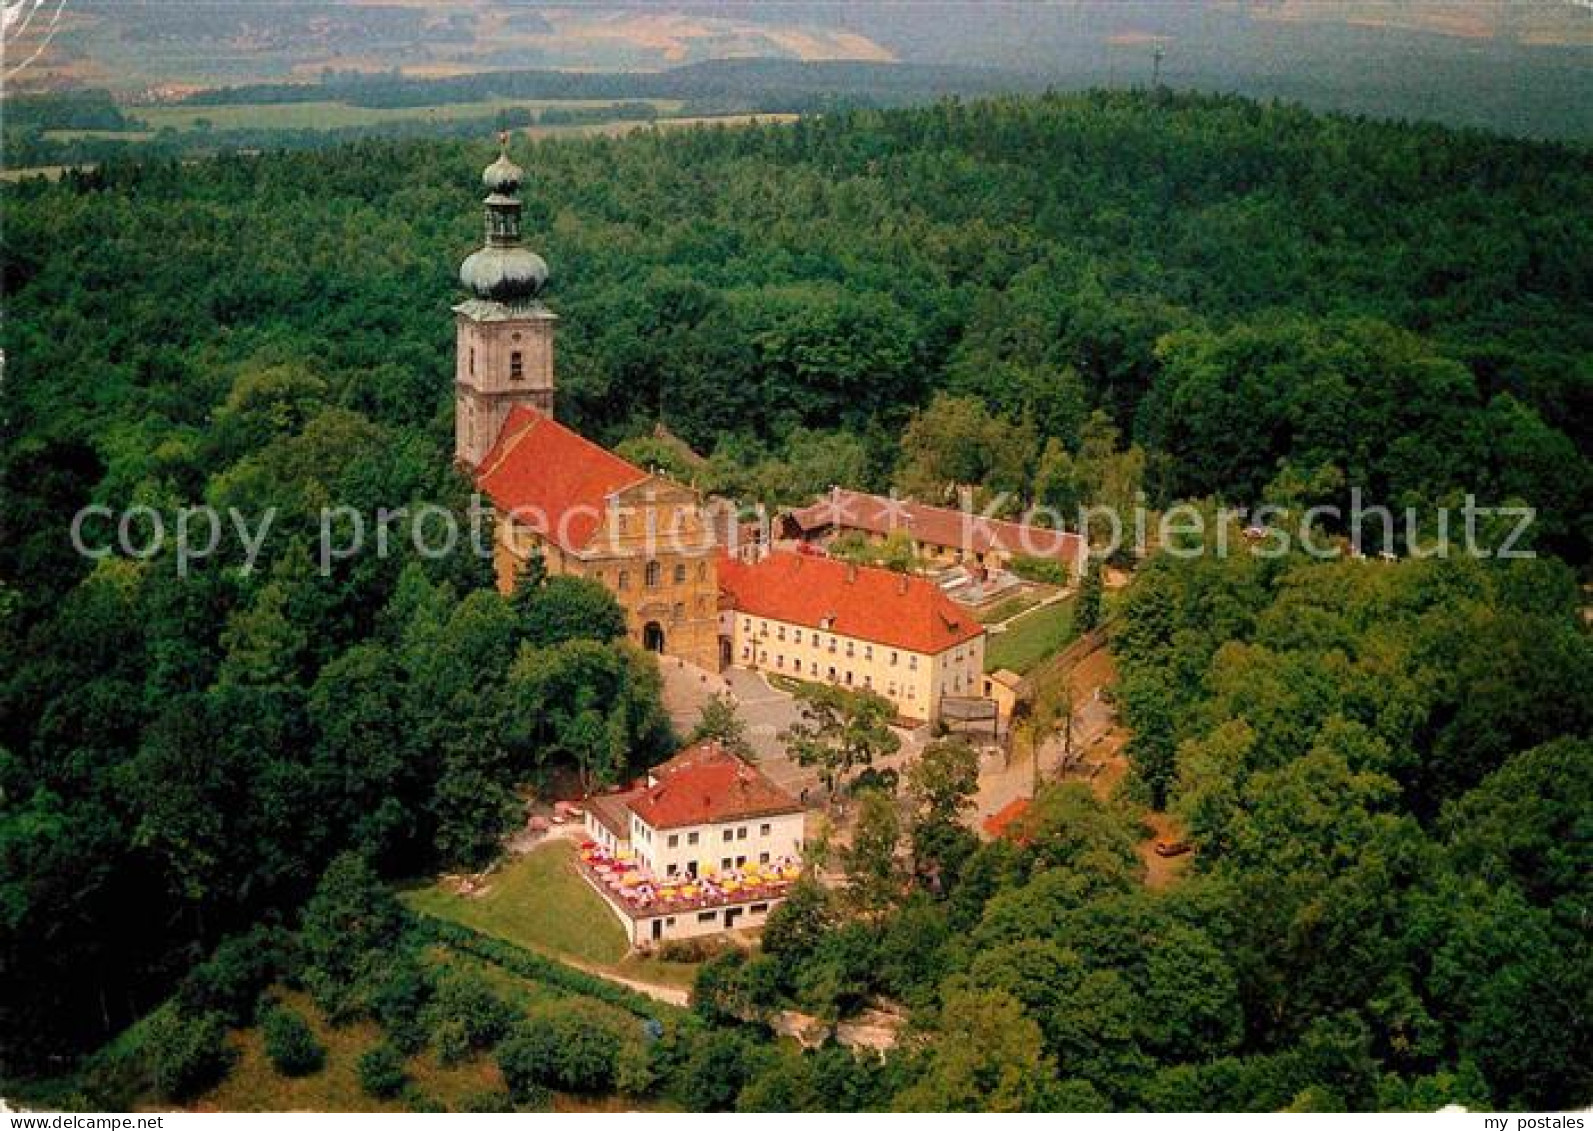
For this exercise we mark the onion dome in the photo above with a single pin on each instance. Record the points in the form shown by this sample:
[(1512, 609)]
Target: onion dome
[(504, 274), (503, 269), (503, 175)]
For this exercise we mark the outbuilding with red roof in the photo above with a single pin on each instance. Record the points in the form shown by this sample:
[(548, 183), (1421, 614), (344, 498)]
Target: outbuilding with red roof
[(939, 534)]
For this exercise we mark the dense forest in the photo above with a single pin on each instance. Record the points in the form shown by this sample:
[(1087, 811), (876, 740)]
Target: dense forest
[(1392, 876), (1059, 300)]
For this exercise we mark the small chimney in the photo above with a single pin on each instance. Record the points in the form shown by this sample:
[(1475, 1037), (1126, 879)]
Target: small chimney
[(851, 572), (901, 585)]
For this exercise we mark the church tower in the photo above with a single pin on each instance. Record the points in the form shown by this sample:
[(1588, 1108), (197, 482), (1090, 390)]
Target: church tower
[(504, 333)]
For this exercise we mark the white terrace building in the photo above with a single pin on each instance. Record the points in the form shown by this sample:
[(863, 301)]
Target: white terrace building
[(714, 844)]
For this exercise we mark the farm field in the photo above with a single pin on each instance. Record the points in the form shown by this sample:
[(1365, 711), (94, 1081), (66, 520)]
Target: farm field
[(616, 129), (334, 115), (99, 135)]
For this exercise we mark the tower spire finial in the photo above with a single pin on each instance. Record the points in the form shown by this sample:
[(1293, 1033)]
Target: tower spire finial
[(503, 270)]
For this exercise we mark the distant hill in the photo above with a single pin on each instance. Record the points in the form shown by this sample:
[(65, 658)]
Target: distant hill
[(1521, 68)]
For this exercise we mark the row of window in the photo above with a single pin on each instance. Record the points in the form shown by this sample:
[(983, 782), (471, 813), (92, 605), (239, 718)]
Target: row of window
[(653, 576), (843, 677), (739, 833), (677, 521), (713, 916), (726, 863), (829, 643)]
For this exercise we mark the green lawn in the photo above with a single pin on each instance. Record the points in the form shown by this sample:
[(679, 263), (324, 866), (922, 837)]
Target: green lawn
[(537, 901), (1006, 609), (1031, 638)]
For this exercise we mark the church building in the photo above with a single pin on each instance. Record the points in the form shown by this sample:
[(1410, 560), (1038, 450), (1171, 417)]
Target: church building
[(585, 510)]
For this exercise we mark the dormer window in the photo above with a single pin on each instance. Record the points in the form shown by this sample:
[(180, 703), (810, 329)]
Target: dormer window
[(516, 366)]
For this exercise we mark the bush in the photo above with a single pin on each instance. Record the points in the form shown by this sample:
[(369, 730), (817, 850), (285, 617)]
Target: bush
[(699, 949), (1043, 570), (872, 777), (533, 967), (634, 1070), (561, 1046), (237, 972), (290, 1044), (526, 1060), (381, 1072), (399, 998), (187, 1054), (733, 987), (351, 927), (720, 1063), (535, 1097), (1087, 609), (451, 1040), (486, 1103), (837, 979), (465, 1014)]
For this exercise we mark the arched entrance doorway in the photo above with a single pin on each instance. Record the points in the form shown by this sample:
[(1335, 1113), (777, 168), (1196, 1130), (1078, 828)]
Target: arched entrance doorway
[(653, 636), (724, 653)]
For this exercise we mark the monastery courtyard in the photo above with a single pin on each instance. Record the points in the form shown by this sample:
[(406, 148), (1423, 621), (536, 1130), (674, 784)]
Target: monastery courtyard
[(767, 710)]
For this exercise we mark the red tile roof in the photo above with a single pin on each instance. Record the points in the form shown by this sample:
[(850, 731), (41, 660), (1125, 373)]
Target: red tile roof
[(937, 526), (552, 479), (706, 784), (1001, 822), (877, 605)]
